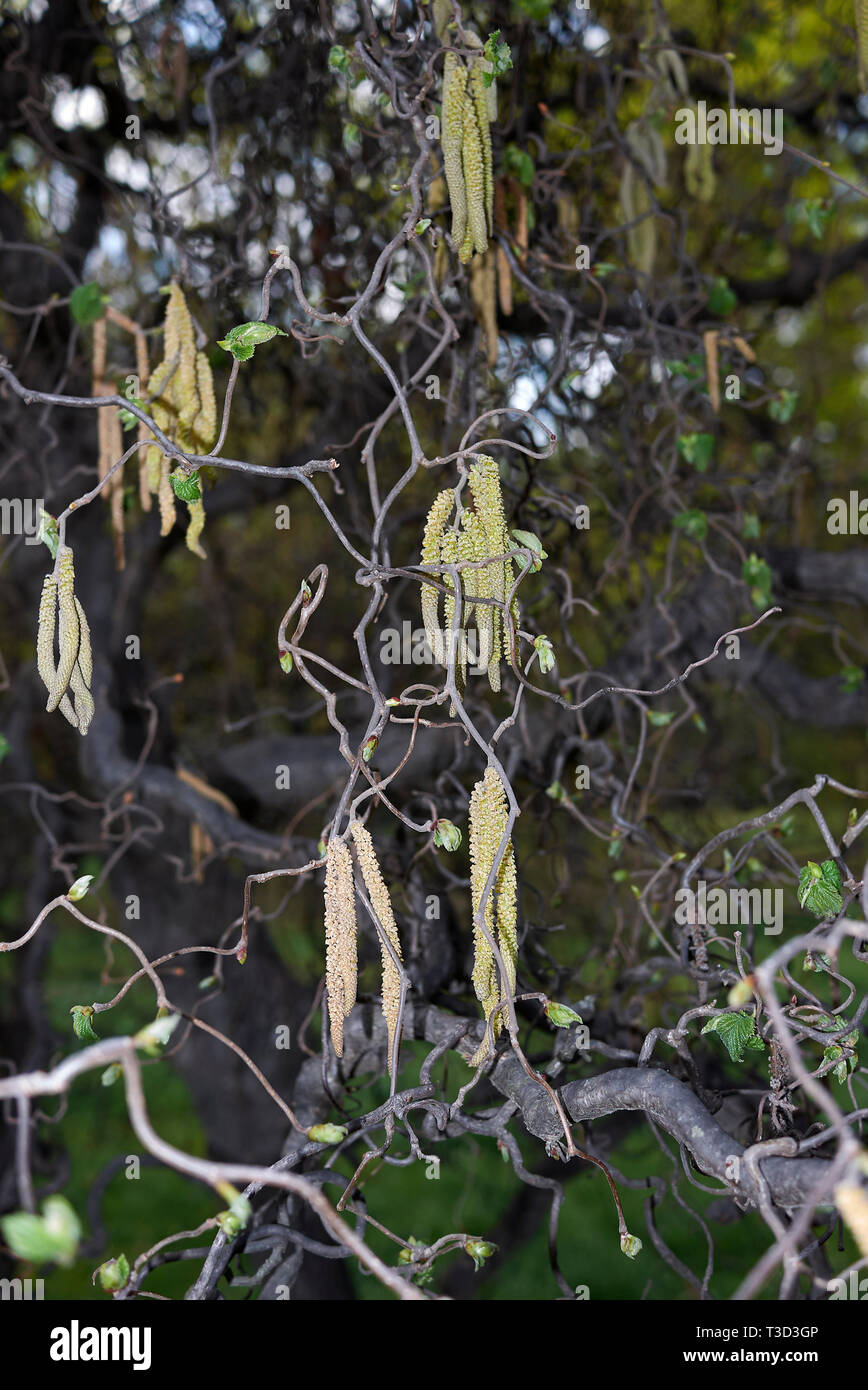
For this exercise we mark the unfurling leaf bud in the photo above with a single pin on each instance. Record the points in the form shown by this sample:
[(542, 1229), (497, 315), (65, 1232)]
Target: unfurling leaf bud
[(81, 1024), (327, 1133), (479, 1251), (446, 835), (80, 888), (113, 1275), (561, 1015)]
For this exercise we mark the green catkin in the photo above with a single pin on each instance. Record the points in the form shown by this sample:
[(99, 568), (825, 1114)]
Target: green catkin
[(477, 582), (448, 556), (340, 939), (68, 627), (166, 498), (195, 527), (205, 423), (489, 815), (85, 653), (435, 525), (382, 905), (488, 500), (479, 93), (862, 42), (473, 165), (45, 634), (84, 706), (451, 141)]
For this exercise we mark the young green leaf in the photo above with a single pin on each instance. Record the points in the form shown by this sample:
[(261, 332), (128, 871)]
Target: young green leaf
[(693, 523), (697, 449), (721, 299), (81, 1024), (499, 55), (48, 532), (87, 303), (736, 1032), (245, 337), (155, 1035), (479, 1251), (185, 485), (534, 545), (113, 1275), (53, 1236), (561, 1015), (820, 889), (851, 679)]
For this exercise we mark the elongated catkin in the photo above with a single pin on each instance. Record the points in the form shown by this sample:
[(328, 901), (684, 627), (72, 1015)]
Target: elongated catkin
[(489, 816), (68, 626), (452, 139), (382, 905), (340, 939), (473, 166), (852, 1202), (862, 42), (431, 540)]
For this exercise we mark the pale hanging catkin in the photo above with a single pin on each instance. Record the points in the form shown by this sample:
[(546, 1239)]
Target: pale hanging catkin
[(340, 939), (489, 815), (382, 905), (852, 1202)]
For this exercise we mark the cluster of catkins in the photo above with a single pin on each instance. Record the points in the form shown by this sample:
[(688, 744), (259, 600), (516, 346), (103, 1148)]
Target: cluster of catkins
[(480, 537), (63, 652), (488, 821), (468, 108), (181, 394)]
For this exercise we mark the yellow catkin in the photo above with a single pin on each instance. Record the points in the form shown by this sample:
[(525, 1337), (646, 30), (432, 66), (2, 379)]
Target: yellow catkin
[(442, 10), (488, 820), (195, 527), (479, 93), (477, 583), (452, 140), (143, 432), (205, 423), (483, 293), (473, 166), (85, 652), (109, 440), (68, 626), (84, 706), (183, 405), (488, 500), (382, 905), (340, 939), (435, 524), (862, 42), (852, 1202), (165, 498), (45, 634), (448, 556), (504, 282)]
